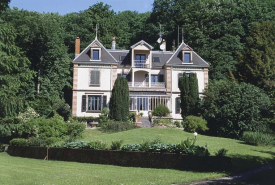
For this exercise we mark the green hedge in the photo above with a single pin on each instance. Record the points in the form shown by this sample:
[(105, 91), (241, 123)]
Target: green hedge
[(258, 138)]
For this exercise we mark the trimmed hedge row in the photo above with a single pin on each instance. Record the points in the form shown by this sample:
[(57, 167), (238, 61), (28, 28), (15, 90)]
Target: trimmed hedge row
[(122, 158)]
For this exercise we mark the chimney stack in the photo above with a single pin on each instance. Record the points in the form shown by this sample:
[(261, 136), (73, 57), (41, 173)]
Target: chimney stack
[(77, 46), (114, 43)]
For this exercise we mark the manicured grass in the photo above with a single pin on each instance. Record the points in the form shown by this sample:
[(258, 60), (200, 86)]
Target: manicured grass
[(245, 156), (15, 170), (23, 171)]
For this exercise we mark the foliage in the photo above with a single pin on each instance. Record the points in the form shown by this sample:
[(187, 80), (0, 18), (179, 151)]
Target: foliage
[(19, 142), (258, 138), (103, 117), (117, 126), (257, 61), (84, 119), (177, 123), (119, 101), (231, 108), (185, 147), (76, 144), (97, 145), (27, 115), (75, 130), (189, 94), (195, 124), (132, 117), (116, 145), (161, 111), (221, 152)]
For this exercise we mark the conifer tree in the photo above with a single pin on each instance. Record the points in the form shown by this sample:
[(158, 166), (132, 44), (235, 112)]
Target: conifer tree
[(189, 94), (119, 101), (194, 94)]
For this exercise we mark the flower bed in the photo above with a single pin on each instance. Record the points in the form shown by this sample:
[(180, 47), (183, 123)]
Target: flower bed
[(126, 158)]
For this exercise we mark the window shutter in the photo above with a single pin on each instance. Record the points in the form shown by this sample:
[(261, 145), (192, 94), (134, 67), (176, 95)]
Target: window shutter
[(95, 77), (104, 101), (83, 103), (161, 78)]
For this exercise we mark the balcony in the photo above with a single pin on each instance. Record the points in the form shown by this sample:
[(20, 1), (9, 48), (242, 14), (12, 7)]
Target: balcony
[(141, 64), (146, 84)]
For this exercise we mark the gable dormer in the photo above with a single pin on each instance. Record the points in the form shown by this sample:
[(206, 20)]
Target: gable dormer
[(141, 54), (187, 55), (95, 51)]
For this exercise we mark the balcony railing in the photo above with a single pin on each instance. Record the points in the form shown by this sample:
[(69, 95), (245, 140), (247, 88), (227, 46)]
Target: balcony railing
[(141, 64), (146, 84)]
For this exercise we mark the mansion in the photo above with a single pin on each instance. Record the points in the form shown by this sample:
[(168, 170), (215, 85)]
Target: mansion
[(152, 76)]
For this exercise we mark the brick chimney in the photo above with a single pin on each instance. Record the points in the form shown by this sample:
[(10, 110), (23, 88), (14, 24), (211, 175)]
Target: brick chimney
[(113, 43), (77, 46)]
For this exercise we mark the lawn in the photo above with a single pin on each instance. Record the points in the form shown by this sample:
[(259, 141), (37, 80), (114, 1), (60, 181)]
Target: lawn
[(23, 171), (15, 170)]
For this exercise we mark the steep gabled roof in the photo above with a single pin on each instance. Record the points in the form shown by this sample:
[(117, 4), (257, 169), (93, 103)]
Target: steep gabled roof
[(142, 42), (85, 55), (176, 58)]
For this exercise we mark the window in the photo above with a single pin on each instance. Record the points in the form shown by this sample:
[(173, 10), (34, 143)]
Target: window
[(95, 54), (140, 60), (93, 102), (95, 77), (187, 58), (177, 103), (156, 59), (154, 78)]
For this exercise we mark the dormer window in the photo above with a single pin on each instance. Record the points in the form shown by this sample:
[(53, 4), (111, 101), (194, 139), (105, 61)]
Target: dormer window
[(95, 52), (187, 55)]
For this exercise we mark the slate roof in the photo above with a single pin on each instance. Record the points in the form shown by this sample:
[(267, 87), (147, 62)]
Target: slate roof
[(85, 55), (123, 57)]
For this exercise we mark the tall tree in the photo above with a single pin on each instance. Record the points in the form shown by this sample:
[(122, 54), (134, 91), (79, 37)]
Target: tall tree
[(119, 101), (257, 61), (194, 93), (15, 75), (184, 95)]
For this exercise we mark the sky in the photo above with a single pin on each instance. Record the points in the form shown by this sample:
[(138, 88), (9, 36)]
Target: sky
[(68, 6)]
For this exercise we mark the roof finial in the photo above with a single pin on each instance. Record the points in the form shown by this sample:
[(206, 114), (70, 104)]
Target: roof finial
[(96, 31)]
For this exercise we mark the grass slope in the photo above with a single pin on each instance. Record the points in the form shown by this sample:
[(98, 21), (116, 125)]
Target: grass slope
[(15, 170), (23, 171)]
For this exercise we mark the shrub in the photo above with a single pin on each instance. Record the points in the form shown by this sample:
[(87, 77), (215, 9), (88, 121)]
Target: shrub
[(117, 126), (177, 123), (75, 130), (258, 138), (85, 119), (27, 115), (37, 142), (221, 152), (116, 145), (193, 123), (97, 145), (19, 142), (161, 111), (231, 108), (76, 144), (52, 140), (131, 147), (132, 116), (104, 116)]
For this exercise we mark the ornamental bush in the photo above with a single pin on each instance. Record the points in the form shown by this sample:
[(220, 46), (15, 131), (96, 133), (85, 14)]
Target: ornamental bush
[(161, 111), (194, 123), (97, 145), (258, 138), (231, 108), (19, 142)]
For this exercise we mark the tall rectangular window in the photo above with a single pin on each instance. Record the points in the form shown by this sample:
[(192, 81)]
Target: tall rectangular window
[(94, 103), (177, 103), (95, 54), (187, 57), (95, 77), (140, 60)]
